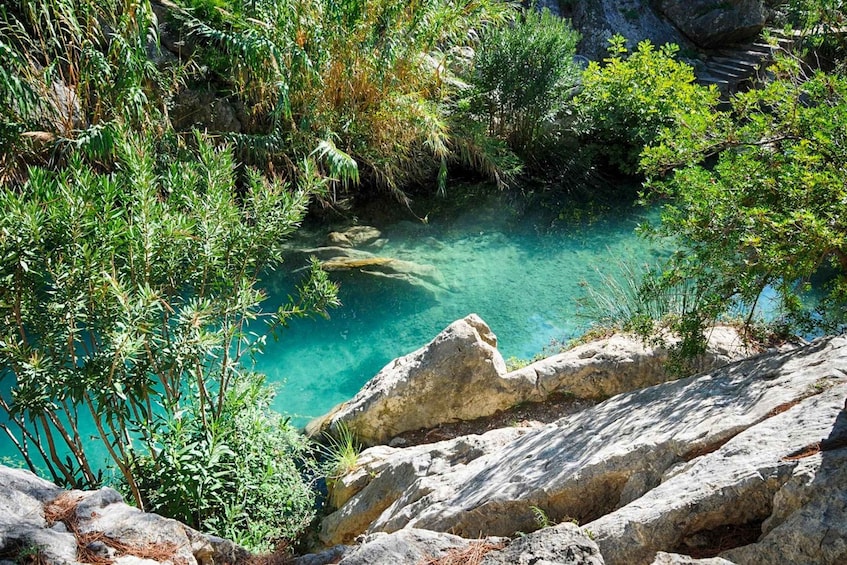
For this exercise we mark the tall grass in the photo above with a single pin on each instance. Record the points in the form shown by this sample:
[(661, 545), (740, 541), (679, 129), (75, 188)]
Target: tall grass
[(73, 71), (368, 83), (636, 298)]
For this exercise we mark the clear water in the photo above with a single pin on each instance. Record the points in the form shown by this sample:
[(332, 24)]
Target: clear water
[(522, 272)]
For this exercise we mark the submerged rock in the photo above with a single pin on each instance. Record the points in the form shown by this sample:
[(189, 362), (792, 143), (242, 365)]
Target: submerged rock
[(348, 259), (657, 469), (354, 236)]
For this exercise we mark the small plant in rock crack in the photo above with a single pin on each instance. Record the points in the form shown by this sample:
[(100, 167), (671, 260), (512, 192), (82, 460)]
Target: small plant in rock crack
[(541, 517), (341, 451)]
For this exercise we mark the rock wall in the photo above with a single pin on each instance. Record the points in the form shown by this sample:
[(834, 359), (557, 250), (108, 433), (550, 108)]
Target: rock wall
[(702, 24)]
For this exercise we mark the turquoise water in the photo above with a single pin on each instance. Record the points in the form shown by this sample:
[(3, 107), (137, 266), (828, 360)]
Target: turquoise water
[(522, 273)]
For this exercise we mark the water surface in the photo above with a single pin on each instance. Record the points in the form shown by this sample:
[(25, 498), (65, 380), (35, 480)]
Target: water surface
[(523, 273)]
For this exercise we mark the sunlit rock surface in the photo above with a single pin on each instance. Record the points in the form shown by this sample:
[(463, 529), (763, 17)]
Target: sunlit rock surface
[(657, 469)]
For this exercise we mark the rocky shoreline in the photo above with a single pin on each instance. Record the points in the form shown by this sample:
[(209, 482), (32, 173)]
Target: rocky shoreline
[(745, 462)]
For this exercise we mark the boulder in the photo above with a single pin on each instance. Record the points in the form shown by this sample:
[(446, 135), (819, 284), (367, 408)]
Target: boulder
[(70, 527), (339, 258), (599, 20), (460, 375), (564, 544), (645, 471), (737, 487), (454, 376), (560, 545), (620, 363), (383, 477), (808, 523), (715, 23)]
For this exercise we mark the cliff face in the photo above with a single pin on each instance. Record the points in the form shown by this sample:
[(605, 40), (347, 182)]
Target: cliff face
[(701, 24)]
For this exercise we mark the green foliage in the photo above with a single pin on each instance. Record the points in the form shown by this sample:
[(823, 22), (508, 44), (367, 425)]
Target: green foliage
[(521, 76), (125, 300), (817, 27), (71, 70), (341, 452), (625, 102), (246, 476), (636, 299), (758, 198), (542, 520), (371, 78)]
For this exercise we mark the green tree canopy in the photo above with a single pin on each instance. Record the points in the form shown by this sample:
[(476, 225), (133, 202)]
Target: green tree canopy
[(758, 197), (627, 100), (125, 299)]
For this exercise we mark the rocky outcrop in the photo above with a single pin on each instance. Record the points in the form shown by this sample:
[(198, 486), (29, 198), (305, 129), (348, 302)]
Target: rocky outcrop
[(702, 25), (758, 445), (715, 23), (460, 375), (71, 527), (598, 20), (455, 376), (562, 545), (620, 363)]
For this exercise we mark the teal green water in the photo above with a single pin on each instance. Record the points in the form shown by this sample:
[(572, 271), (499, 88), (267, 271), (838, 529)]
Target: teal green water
[(521, 272), (524, 275)]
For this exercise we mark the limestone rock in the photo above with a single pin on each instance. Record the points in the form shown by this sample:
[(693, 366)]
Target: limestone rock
[(560, 545), (619, 363), (564, 544), (354, 236), (383, 475), (715, 23), (452, 377), (38, 514), (663, 558), (340, 258), (598, 20), (809, 519), (644, 470), (460, 375), (407, 547)]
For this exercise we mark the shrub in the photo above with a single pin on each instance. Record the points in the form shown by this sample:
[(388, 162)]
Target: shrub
[(124, 294), (521, 76), (366, 84), (625, 102), (246, 476), (757, 198), (72, 70)]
